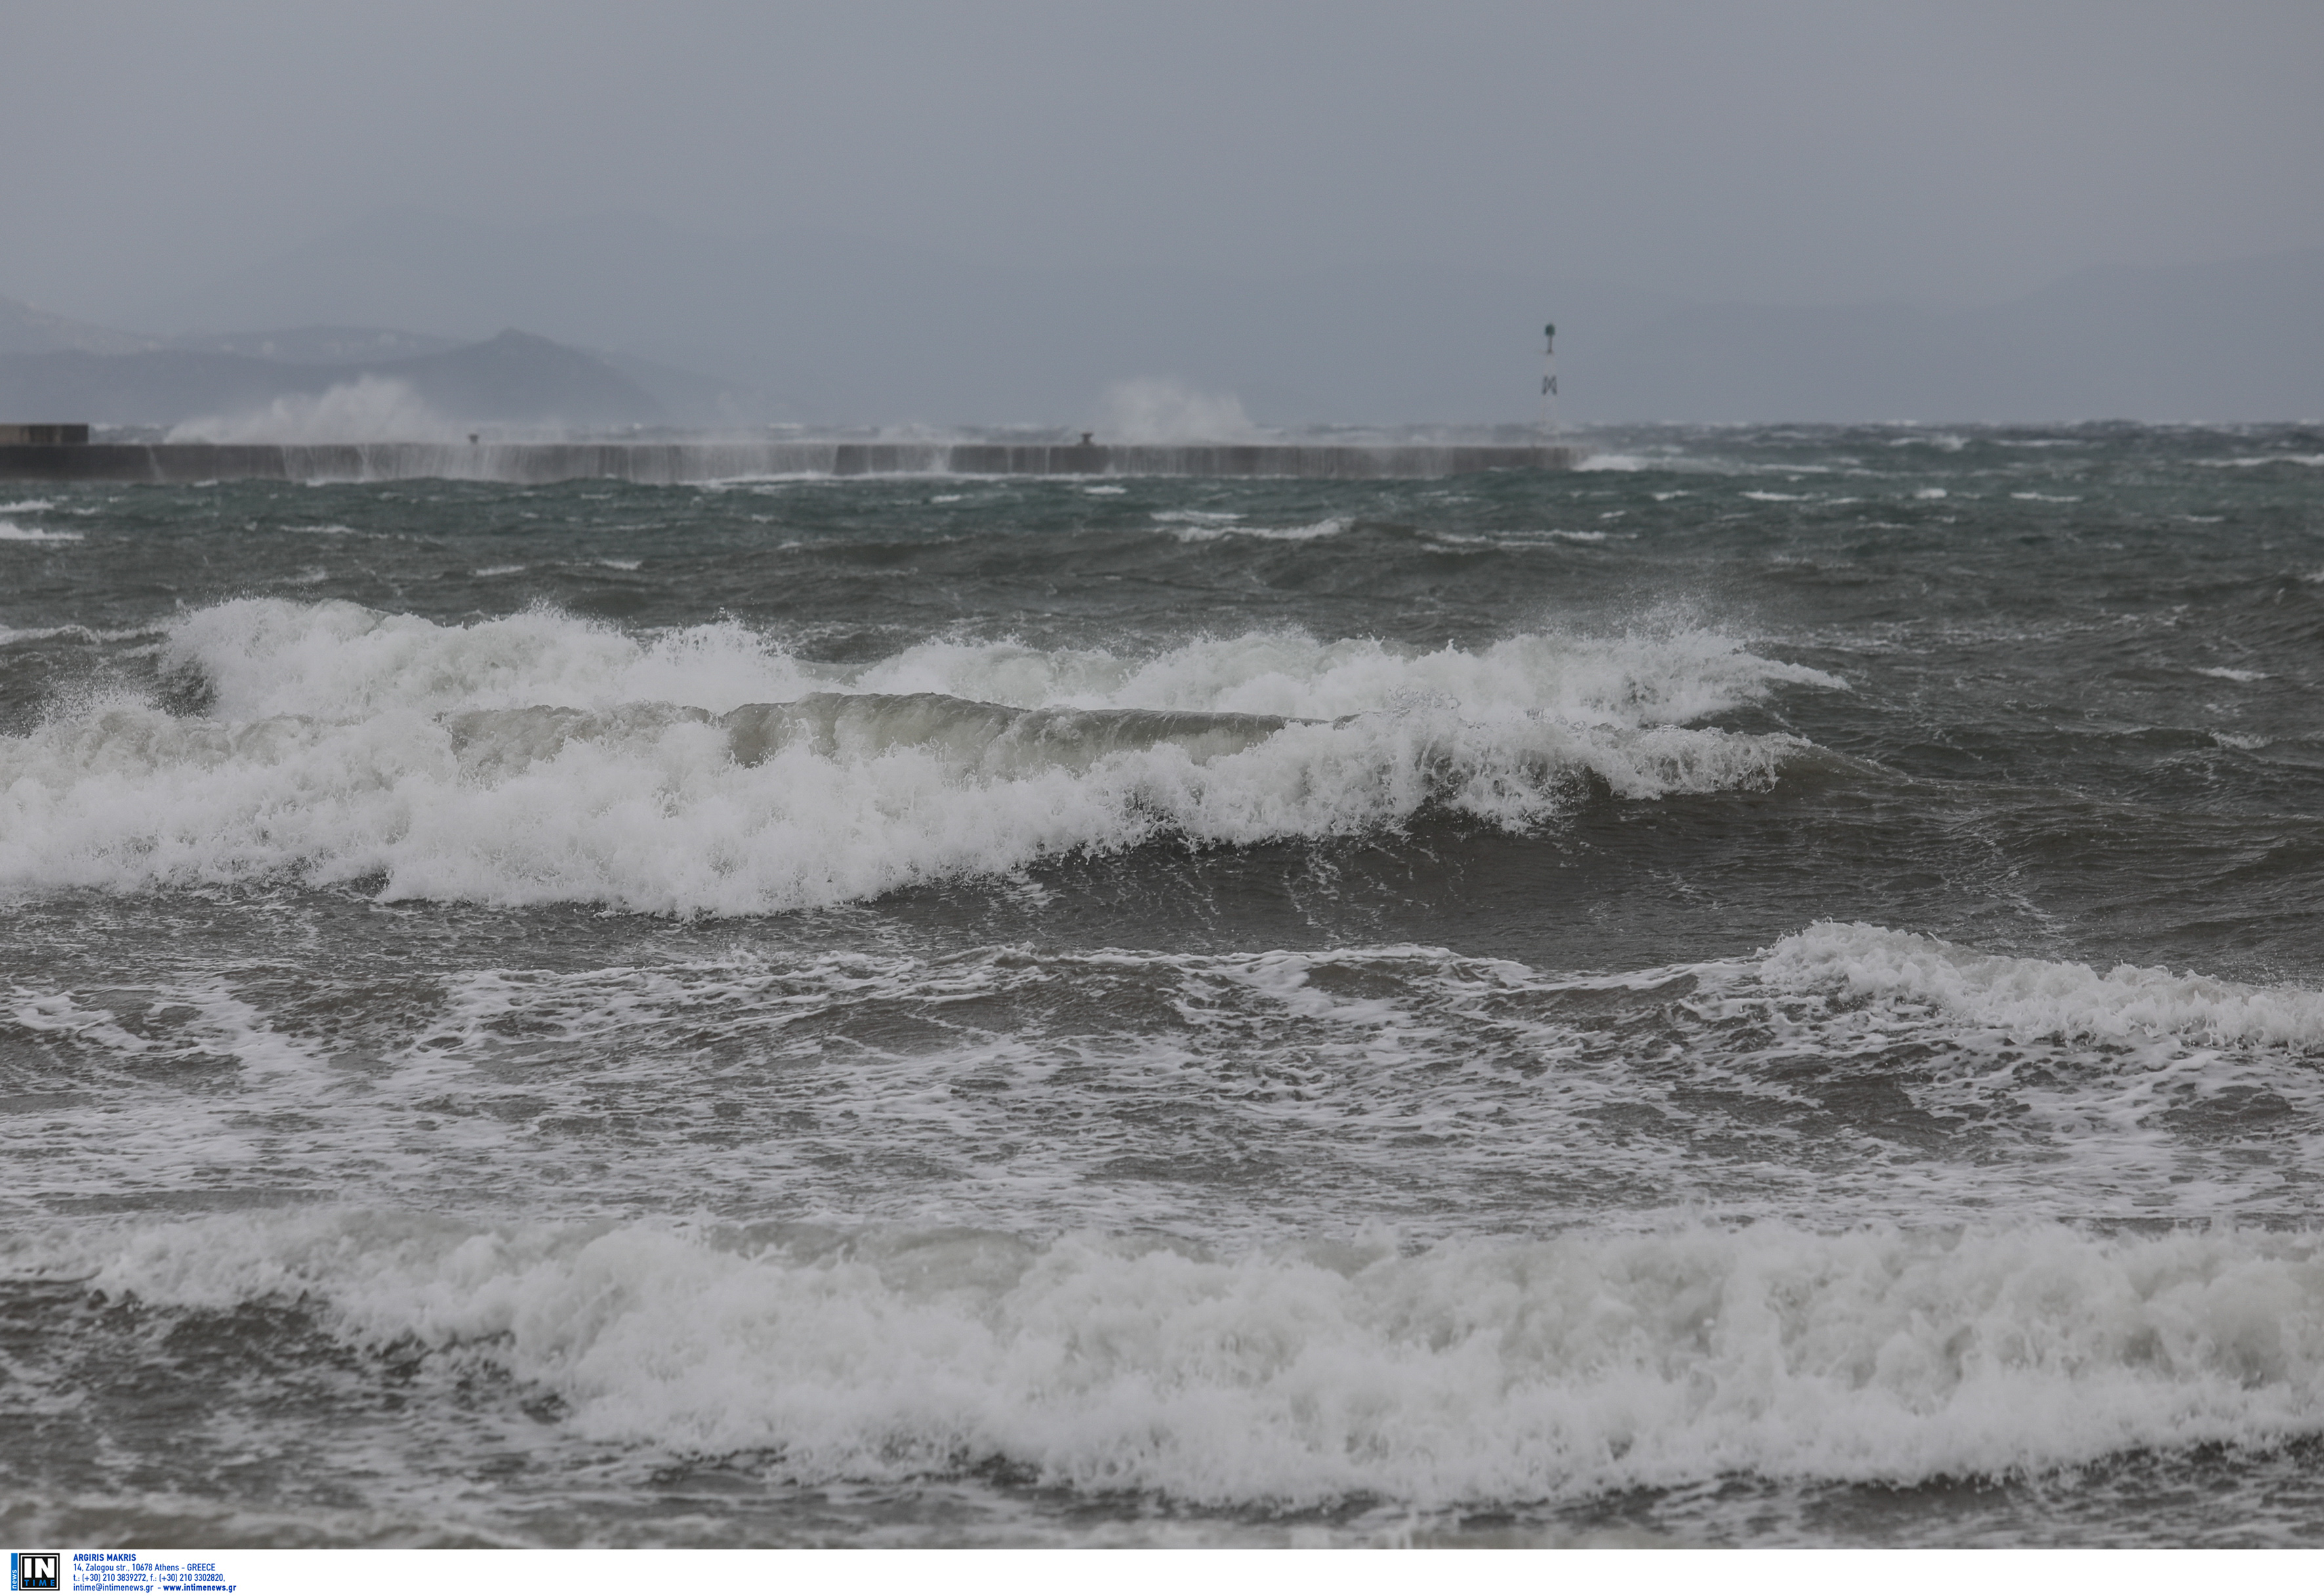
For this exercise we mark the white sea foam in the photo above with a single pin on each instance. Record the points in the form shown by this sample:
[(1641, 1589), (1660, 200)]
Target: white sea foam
[(2043, 997), (10, 532), (1352, 1056), (27, 506), (1208, 531), (346, 744), (1525, 539), (2229, 673), (335, 660), (2050, 498), (1473, 1371), (80, 633), (660, 816)]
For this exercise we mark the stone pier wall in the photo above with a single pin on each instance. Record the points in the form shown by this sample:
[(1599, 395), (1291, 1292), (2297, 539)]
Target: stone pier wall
[(712, 461)]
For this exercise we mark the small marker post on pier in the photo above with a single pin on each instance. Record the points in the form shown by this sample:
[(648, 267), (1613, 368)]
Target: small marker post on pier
[(1549, 382)]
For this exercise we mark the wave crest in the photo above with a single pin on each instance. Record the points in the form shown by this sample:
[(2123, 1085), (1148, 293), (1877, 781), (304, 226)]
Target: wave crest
[(2043, 997), (539, 759), (1476, 1371)]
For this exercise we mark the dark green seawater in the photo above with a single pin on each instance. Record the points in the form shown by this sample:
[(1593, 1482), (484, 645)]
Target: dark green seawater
[(1770, 991)]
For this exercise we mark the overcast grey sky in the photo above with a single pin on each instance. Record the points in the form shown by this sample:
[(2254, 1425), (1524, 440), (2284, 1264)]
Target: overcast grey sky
[(1780, 152)]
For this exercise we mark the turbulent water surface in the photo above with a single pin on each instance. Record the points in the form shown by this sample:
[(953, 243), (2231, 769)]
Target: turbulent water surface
[(1766, 992)]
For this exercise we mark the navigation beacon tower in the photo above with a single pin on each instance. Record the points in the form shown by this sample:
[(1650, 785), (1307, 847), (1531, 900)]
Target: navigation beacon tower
[(1549, 382)]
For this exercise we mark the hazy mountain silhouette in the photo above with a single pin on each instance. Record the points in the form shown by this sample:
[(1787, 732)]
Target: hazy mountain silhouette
[(837, 329), (24, 330), (513, 378), (323, 345), (815, 327)]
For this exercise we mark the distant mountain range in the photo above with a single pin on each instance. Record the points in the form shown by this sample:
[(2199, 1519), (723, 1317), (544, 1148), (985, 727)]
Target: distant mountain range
[(513, 378), (836, 328), (816, 328), (52, 368)]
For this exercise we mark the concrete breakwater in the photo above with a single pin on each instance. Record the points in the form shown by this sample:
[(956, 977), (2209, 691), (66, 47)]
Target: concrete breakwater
[(711, 460)]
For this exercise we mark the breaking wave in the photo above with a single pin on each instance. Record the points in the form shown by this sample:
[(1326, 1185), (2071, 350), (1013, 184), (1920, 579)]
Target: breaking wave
[(1474, 1372), (10, 532), (539, 759), (2043, 997)]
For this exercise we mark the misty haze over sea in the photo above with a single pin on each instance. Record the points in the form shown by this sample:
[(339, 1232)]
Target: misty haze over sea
[(696, 331), (757, 892)]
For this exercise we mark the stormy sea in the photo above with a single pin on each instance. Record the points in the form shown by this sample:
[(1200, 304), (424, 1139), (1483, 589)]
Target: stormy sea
[(1765, 990)]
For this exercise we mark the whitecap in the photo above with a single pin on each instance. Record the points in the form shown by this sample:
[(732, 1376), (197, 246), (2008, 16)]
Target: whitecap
[(706, 770), (79, 633), (1526, 539), (1317, 1371), (1210, 531), (2043, 997), (10, 532)]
